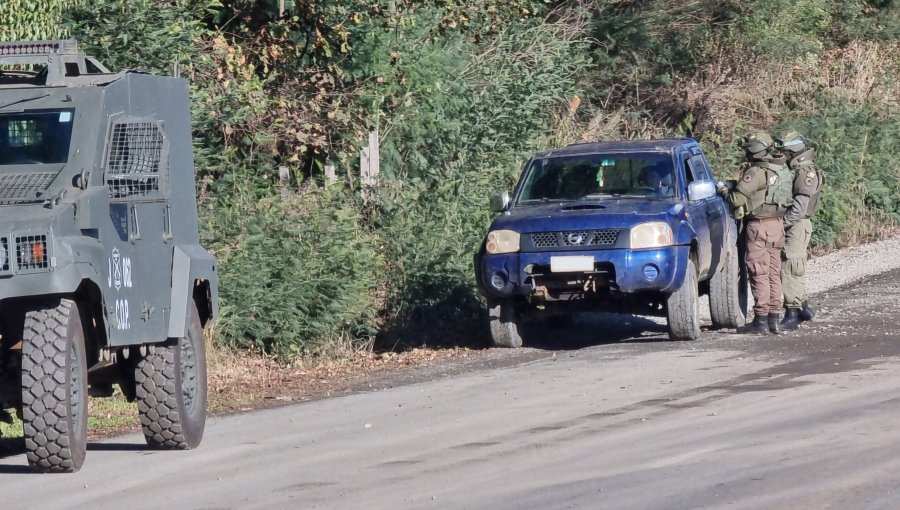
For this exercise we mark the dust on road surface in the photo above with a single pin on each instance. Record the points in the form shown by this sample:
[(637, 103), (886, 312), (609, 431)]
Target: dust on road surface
[(806, 420)]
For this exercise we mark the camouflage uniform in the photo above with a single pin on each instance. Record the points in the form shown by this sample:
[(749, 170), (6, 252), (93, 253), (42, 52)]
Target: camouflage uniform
[(751, 200), (798, 229)]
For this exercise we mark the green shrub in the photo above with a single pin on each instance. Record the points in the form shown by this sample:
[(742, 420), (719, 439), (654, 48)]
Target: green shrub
[(27, 20), (857, 152), (296, 271)]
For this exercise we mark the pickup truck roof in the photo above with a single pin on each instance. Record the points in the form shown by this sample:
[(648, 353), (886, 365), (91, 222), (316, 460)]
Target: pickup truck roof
[(658, 145)]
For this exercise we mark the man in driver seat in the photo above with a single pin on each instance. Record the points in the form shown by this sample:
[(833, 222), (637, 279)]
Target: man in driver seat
[(656, 179)]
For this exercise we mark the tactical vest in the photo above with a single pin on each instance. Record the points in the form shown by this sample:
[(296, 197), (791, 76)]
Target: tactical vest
[(774, 199), (779, 185)]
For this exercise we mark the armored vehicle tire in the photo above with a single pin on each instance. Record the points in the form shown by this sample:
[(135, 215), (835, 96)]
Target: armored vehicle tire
[(171, 390), (683, 307), (504, 323), (54, 387), (728, 295)]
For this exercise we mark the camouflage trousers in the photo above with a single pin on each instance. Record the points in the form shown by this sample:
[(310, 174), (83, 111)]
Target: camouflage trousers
[(793, 269), (765, 239)]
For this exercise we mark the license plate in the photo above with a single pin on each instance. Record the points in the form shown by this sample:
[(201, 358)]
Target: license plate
[(573, 264)]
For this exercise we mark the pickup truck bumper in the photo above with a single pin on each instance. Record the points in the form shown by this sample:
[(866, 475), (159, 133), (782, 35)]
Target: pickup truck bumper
[(628, 271)]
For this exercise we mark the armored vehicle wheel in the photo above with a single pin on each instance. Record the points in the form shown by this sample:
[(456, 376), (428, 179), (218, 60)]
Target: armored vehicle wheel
[(728, 295), (54, 387), (504, 323), (683, 307), (171, 390)]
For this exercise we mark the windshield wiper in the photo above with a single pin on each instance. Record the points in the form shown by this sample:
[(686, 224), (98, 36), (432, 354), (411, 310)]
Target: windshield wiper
[(544, 200), (25, 100)]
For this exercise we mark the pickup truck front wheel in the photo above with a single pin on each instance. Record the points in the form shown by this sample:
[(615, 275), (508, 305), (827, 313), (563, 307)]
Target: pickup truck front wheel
[(683, 307), (728, 295), (504, 322)]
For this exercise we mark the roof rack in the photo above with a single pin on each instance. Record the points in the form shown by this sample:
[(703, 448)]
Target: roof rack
[(61, 58)]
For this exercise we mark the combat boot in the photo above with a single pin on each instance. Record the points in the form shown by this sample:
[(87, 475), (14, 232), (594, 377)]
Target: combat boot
[(807, 313), (774, 321), (759, 326), (791, 319)]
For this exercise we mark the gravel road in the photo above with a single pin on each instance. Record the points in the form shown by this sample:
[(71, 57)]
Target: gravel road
[(600, 415)]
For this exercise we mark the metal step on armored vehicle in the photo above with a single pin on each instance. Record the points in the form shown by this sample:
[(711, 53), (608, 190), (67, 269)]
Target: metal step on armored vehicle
[(103, 281), (627, 226)]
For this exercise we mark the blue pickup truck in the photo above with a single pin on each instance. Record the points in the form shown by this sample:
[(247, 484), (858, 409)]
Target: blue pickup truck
[(628, 226)]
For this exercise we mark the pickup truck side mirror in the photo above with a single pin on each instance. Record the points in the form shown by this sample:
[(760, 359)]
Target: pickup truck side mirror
[(701, 190), (500, 202)]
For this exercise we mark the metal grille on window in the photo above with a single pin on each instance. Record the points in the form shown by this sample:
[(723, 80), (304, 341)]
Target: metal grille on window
[(23, 188), (602, 237), (23, 133), (4, 254), (133, 159), (31, 252)]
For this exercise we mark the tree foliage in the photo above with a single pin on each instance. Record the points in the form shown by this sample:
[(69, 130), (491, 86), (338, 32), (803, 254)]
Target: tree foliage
[(27, 20), (461, 92)]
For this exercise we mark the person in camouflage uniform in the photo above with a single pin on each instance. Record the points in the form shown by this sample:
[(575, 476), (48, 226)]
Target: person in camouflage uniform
[(761, 197), (798, 227)]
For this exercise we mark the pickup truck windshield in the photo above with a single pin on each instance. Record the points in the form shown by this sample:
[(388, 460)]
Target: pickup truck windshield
[(36, 137), (599, 176)]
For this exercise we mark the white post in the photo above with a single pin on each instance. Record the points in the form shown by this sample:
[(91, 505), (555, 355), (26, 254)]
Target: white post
[(370, 166), (284, 177)]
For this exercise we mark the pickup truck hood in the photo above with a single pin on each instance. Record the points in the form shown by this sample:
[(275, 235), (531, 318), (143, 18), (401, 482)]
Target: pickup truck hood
[(587, 215)]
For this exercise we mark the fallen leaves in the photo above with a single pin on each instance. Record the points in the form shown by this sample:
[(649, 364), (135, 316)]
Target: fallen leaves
[(245, 380)]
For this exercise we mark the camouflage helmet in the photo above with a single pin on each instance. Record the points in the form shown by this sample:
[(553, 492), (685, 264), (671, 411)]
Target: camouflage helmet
[(757, 141), (791, 141)]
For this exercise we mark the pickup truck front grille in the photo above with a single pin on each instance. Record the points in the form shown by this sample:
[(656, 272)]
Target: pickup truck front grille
[(573, 239), (603, 237)]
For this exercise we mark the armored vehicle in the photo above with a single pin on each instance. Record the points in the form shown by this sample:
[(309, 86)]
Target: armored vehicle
[(103, 280), (628, 226)]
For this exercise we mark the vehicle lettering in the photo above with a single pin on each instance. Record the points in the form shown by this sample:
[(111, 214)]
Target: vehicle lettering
[(119, 271), (122, 315)]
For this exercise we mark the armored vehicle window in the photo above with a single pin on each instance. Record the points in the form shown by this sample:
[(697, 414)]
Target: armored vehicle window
[(35, 138), (133, 160), (599, 176)]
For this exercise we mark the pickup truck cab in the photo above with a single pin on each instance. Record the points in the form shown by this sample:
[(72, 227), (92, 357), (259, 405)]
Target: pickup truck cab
[(627, 226)]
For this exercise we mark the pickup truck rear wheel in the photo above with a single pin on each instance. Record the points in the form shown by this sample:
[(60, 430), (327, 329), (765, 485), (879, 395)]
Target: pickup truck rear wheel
[(54, 387), (683, 307), (504, 322), (728, 295)]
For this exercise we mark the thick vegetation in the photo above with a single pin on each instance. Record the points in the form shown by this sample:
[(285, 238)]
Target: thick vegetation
[(460, 93)]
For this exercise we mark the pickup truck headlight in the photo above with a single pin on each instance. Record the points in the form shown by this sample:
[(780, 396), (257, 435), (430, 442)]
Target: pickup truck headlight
[(655, 234), (502, 241)]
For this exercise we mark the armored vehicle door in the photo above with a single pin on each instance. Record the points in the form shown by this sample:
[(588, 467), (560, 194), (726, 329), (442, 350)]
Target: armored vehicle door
[(139, 242)]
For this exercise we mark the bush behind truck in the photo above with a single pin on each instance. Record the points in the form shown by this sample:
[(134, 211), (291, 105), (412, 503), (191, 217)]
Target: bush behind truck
[(103, 279)]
